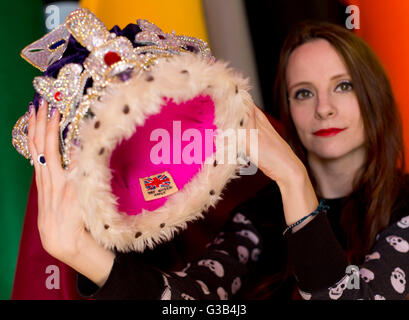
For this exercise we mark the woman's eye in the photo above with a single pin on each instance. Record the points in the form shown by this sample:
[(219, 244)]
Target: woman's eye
[(344, 86), (303, 94)]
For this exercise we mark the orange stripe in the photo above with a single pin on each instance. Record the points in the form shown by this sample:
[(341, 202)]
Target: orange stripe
[(385, 27), (185, 17)]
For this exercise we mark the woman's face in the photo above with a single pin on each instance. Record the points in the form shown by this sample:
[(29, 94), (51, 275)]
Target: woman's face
[(323, 104)]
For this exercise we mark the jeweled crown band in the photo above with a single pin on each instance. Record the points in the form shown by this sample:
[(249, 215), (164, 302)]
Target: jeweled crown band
[(111, 58)]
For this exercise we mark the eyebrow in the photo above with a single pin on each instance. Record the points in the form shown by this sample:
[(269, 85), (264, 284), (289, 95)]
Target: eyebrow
[(341, 75)]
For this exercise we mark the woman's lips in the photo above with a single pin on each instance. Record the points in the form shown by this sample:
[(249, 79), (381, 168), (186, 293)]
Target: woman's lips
[(328, 132)]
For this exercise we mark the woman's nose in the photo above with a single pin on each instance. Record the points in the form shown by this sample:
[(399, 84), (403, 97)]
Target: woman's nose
[(324, 107)]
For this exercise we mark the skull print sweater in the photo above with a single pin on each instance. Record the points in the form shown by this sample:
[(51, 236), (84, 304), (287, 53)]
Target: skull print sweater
[(315, 253), (218, 274), (322, 270), (312, 262)]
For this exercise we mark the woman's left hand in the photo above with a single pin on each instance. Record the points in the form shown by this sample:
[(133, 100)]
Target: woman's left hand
[(59, 222), (273, 156), (278, 161), (60, 225)]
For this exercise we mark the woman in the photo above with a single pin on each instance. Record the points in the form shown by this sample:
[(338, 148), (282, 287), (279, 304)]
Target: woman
[(341, 121), (344, 129)]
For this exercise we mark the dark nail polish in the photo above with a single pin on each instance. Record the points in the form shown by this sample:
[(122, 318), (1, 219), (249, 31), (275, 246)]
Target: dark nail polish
[(30, 108), (52, 112), (40, 102)]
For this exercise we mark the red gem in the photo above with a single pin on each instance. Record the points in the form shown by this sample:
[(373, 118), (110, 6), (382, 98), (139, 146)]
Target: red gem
[(111, 57), (58, 96)]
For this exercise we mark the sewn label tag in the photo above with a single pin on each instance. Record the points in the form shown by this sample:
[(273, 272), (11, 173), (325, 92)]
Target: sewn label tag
[(158, 186)]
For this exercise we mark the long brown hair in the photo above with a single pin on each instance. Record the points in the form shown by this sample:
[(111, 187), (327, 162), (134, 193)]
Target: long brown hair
[(376, 186)]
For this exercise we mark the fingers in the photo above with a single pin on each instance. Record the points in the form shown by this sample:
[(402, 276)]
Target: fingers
[(32, 137), (251, 123), (32, 123), (40, 129), (51, 148), (262, 121), (250, 128), (39, 123), (31, 132), (260, 116), (30, 143)]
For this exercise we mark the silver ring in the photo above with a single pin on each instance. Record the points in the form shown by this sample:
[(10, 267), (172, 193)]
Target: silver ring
[(41, 160)]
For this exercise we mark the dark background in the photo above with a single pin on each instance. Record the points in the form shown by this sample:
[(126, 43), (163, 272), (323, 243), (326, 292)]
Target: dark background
[(269, 22)]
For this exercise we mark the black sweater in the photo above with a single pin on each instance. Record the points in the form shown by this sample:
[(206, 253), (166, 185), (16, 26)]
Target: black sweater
[(218, 274), (315, 252)]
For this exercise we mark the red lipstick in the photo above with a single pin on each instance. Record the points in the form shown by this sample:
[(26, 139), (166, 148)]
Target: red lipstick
[(328, 132)]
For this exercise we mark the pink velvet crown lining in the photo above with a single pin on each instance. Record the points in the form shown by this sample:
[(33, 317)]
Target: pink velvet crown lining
[(146, 154)]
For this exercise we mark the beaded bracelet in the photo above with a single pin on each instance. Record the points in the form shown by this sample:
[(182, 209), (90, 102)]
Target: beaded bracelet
[(322, 207)]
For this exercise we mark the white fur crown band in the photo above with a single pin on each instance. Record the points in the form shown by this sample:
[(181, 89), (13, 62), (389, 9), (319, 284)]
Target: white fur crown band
[(149, 122)]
